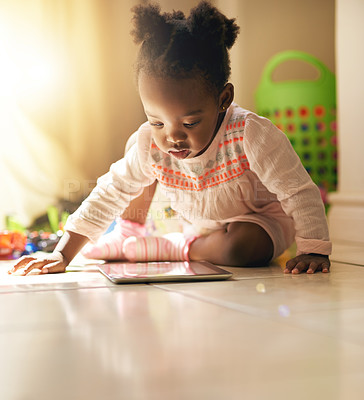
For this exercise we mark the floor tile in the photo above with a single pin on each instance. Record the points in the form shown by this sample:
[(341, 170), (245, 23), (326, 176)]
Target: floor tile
[(260, 335), (319, 302), (36, 311), (141, 342), (274, 270)]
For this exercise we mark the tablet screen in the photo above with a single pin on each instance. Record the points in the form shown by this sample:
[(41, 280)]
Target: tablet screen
[(121, 272)]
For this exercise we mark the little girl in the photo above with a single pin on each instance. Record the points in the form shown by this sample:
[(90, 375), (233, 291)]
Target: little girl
[(231, 173)]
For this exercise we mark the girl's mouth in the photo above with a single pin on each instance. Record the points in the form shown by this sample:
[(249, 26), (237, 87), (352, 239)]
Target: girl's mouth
[(180, 154)]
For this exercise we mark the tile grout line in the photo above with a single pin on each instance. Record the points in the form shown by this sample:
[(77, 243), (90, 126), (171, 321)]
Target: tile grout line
[(53, 289), (254, 312), (231, 306)]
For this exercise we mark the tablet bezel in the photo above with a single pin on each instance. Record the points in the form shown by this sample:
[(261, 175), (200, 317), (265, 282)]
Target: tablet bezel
[(217, 273)]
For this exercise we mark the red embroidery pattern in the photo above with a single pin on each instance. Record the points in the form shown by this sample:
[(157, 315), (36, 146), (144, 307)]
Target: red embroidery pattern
[(234, 140), (224, 172), (238, 124)]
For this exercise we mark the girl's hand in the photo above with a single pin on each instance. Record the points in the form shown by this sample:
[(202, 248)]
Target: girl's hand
[(51, 263), (310, 263)]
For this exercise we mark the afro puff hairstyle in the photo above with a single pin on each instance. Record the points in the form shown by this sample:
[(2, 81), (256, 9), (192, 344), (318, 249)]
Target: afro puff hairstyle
[(173, 46)]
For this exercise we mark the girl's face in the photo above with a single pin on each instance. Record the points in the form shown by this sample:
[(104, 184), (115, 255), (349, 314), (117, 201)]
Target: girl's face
[(183, 115)]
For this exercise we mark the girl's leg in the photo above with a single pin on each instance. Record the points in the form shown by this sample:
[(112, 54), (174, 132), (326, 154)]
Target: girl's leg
[(131, 223), (239, 244)]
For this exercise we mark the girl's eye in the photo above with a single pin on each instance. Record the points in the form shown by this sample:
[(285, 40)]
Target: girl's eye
[(156, 124), (191, 125)]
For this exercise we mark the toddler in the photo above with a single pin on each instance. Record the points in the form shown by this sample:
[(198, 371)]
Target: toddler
[(231, 173)]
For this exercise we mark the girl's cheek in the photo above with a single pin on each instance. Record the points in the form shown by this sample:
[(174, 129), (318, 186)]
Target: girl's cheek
[(159, 142)]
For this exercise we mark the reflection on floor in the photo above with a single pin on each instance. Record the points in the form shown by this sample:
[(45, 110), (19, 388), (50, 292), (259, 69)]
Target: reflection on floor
[(260, 335)]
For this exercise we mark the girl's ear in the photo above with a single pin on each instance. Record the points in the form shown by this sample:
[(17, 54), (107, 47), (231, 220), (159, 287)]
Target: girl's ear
[(226, 97)]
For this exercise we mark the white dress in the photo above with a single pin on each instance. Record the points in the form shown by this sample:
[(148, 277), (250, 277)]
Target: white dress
[(250, 172)]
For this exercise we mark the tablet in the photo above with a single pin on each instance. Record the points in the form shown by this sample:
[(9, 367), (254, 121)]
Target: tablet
[(172, 271)]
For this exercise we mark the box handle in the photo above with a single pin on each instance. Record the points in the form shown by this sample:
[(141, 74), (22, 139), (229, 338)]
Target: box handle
[(288, 56)]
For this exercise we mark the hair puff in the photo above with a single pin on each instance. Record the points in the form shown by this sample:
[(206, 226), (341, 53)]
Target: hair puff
[(206, 22), (149, 24)]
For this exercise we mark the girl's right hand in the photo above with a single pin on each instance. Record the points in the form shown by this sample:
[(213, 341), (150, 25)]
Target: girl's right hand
[(49, 263)]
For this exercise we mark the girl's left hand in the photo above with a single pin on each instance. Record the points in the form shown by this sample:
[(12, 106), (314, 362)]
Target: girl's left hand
[(310, 263)]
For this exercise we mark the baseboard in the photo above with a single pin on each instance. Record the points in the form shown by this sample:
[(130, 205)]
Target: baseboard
[(347, 254), (346, 218)]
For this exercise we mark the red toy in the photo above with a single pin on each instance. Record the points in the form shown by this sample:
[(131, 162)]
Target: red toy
[(11, 243)]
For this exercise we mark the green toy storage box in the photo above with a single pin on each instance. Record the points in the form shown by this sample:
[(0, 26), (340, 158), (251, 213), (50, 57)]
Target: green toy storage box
[(305, 110)]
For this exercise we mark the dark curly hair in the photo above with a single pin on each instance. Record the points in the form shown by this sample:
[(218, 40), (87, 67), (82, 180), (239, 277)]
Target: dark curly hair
[(174, 46)]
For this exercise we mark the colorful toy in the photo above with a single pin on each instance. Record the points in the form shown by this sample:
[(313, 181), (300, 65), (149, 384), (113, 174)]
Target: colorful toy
[(42, 241), (306, 111), (17, 240), (12, 244)]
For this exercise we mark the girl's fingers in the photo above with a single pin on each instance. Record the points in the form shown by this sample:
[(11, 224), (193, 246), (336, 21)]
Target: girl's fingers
[(34, 264), (21, 262), (295, 267), (53, 263), (307, 262), (312, 267), (325, 267), (300, 266), (53, 268), (290, 265)]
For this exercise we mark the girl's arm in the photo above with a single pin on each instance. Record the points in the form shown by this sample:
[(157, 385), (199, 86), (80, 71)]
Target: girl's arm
[(125, 181), (273, 159), (67, 248), (279, 168)]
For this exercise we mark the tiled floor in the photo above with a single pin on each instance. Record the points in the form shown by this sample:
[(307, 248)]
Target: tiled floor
[(261, 335)]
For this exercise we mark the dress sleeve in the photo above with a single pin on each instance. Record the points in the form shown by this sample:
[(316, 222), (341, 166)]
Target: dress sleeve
[(274, 161), (124, 181)]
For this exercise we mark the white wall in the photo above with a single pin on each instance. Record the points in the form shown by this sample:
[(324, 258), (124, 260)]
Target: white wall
[(350, 89), (346, 216)]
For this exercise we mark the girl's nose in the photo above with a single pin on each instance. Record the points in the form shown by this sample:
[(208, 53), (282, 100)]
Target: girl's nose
[(176, 136), (171, 140)]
